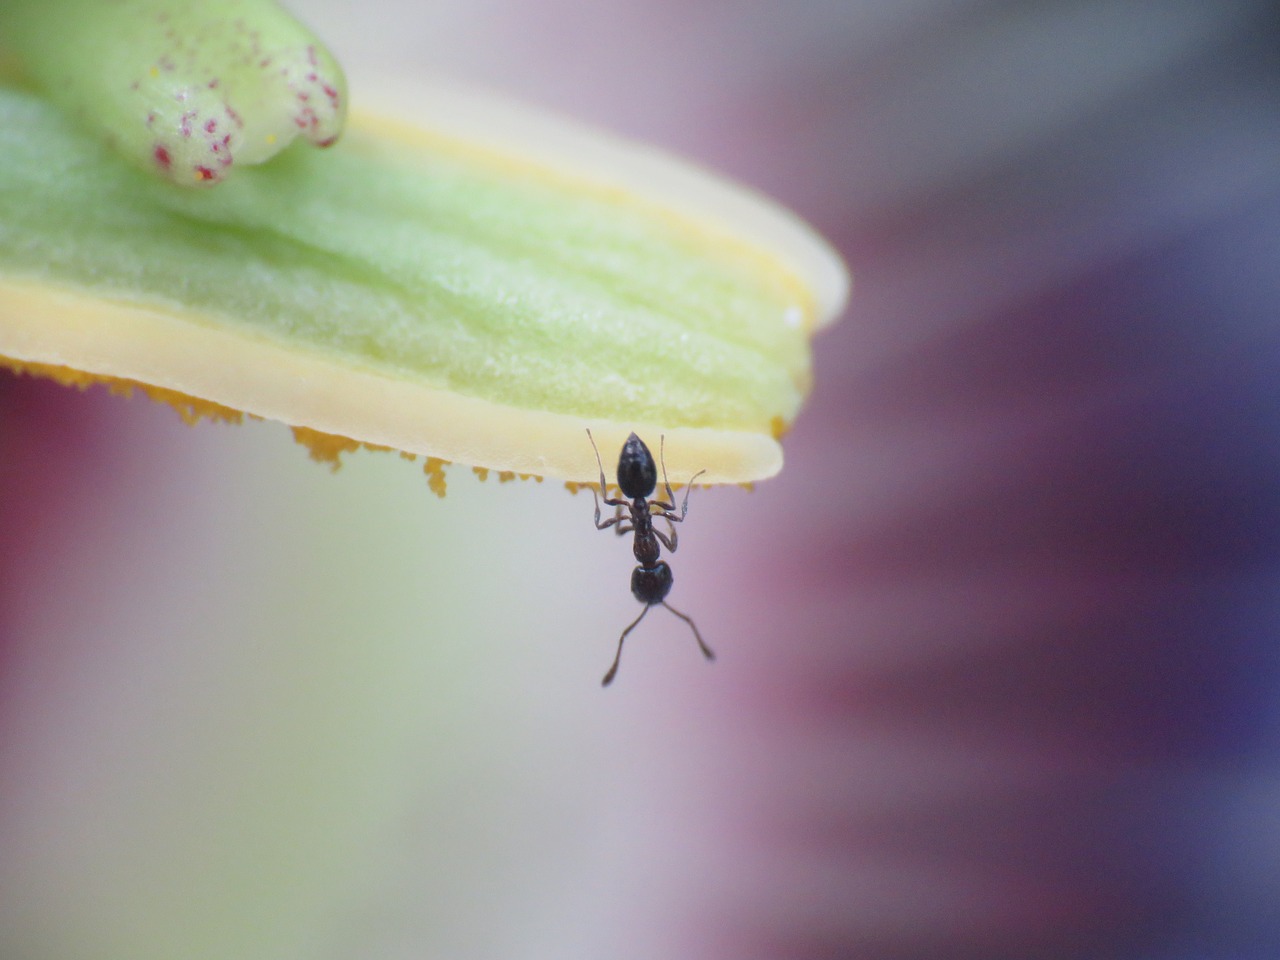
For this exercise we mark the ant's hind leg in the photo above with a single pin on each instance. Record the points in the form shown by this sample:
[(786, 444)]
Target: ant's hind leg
[(689, 489), (670, 540), (667, 508), (598, 463), (664, 506), (617, 657), (684, 506), (603, 492), (706, 651)]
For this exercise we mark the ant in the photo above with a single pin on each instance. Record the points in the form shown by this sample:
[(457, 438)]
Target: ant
[(637, 479)]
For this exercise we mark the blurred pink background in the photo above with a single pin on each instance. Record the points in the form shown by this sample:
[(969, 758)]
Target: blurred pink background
[(998, 672)]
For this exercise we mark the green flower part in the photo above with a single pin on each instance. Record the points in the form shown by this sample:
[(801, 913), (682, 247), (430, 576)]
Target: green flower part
[(188, 88), (474, 282)]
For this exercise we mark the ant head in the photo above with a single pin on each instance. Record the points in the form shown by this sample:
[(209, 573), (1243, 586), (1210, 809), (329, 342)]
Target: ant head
[(637, 473), (651, 585)]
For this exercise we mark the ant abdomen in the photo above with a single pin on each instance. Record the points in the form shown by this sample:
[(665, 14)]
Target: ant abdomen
[(637, 473)]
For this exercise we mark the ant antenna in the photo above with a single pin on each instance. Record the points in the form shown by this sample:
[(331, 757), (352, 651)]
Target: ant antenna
[(702, 645), (617, 657)]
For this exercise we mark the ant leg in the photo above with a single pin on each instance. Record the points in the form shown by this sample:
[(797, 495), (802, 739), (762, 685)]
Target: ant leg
[(618, 518), (670, 503), (608, 677), (666, 508), (621, 518), (669, 541), (706, 651), (604, 492), (684, 507)]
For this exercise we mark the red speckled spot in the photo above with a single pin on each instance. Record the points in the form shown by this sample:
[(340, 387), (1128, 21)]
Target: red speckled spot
[(211, 126), (328, 142), (331, 93), (162, 156), (204, 173)]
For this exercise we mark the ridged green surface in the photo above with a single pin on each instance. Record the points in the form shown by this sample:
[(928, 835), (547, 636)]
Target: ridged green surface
[(437, 263)]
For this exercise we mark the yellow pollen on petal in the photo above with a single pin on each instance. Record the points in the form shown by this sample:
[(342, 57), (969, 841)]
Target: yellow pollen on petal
[(434, 469)]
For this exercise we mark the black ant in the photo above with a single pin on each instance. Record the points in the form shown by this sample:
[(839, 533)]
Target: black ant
[(651, 580)]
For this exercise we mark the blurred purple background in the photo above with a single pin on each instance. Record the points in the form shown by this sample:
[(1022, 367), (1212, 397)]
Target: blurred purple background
[(999, 673)]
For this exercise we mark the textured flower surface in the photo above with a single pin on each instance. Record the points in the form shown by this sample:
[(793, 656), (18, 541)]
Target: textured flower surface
[(997, 672), (468, 280)]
